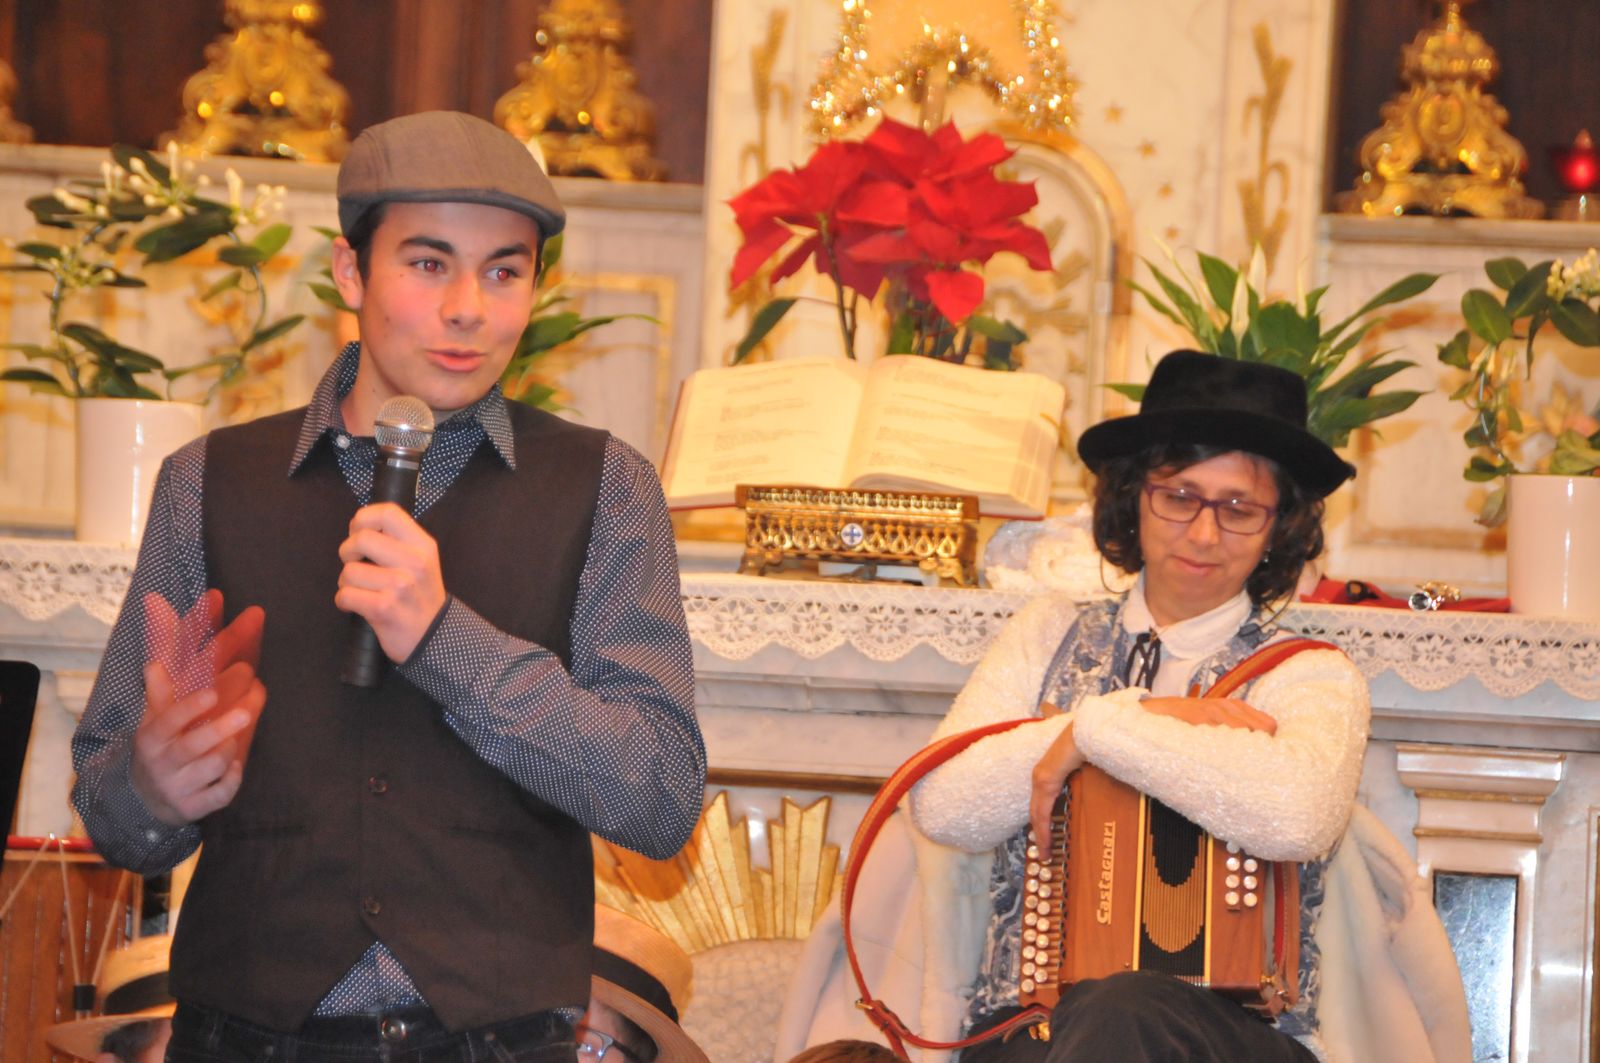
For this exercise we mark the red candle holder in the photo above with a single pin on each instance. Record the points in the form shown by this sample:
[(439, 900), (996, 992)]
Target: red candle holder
[(1577, 167)]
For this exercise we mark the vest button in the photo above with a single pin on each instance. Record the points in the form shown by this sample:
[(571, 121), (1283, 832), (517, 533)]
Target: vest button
[(378, 784), (370, 905)]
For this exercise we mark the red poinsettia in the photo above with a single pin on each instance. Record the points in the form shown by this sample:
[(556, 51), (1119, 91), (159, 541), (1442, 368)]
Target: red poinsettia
[(917, 210)]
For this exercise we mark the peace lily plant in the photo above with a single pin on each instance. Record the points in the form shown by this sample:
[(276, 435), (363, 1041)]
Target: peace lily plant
[(1226, 314)]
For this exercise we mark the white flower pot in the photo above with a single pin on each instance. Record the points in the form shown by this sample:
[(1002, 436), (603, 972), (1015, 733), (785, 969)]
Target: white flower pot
[(1553, 545), (121, 443)]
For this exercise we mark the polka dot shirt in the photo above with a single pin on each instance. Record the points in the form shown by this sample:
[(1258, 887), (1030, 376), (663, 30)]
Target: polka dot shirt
[(613, 742)]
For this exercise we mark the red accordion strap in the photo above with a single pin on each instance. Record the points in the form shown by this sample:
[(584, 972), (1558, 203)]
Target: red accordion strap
[(932, 756)]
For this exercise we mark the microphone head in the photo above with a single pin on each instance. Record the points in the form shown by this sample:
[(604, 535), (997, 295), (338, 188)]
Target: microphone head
[(403, 423)]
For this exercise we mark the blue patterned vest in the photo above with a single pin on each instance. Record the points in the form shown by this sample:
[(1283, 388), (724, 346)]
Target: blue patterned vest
[(1091, 660)]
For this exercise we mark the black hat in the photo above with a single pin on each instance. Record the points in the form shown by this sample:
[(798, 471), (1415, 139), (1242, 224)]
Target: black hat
[(1198, 398), (445, 157)]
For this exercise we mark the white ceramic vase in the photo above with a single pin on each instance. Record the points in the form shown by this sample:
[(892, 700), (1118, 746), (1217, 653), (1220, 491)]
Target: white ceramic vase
[(121, 443), (1553, 545)]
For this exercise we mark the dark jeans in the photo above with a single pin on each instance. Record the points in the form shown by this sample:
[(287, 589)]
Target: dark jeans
[(1142, 1017), (407, 1035)]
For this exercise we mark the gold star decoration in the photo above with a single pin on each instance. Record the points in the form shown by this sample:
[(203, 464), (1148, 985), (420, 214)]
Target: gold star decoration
[(1114, 114), (915, 48), (1147, 148), (1172, 234), (1165, 191)]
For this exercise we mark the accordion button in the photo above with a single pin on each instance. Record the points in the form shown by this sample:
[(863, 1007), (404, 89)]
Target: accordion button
[(1027, 985), (1250, 882), (1232, 899), (1030, 902), (1250, 900), (1033, 868), (1233, 863), (1044, 907), (1250, 864), (1045, 874), (1044, 891), (1232, 882), (1028, 968), (1232, 848), (1033, 850), (1028, 952), (1033, 886), (1028, 919)]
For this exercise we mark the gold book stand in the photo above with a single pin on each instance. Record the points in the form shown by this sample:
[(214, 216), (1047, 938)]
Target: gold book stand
[(788, 526)]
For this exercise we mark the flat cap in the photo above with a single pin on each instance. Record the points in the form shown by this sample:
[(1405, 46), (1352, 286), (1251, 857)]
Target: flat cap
[(445, 157)]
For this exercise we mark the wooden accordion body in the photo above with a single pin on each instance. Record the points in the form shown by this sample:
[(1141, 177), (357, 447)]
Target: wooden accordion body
[(1129, 885)]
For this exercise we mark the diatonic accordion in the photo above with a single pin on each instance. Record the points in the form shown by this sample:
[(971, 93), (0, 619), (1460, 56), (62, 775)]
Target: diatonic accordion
[(1126, 884)]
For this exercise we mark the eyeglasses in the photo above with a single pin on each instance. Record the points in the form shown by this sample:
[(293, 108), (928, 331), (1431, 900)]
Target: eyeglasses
[(1181, 507), (597, 1046)]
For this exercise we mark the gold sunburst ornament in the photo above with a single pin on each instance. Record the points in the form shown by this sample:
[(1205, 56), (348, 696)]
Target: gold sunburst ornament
[(918, 49)]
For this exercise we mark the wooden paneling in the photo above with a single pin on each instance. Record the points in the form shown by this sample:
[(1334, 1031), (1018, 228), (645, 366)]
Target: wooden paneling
[(36, 958), (1549, 77), (97, 72)]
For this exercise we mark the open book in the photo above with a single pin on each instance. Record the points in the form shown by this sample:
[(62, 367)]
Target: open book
[(903, 423)]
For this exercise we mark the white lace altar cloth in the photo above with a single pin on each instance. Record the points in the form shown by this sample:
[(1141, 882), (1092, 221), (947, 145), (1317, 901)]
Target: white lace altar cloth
[(43, 578), (735, 617)]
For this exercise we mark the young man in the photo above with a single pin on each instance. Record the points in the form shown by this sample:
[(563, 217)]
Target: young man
[(404, 868)]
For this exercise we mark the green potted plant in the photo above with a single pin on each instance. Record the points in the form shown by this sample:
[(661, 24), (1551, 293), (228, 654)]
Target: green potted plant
[(146, 211), (1227, 315), (1543, 468)]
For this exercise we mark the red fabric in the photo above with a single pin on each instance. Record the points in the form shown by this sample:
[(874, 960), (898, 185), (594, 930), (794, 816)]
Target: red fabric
[(1359, 592)]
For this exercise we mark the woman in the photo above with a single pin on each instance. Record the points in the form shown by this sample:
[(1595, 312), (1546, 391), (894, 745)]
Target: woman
[(1212, 494)]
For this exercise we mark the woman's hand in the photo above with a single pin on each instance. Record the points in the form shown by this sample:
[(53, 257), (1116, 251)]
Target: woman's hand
[(1049, 776), (1229, 712)]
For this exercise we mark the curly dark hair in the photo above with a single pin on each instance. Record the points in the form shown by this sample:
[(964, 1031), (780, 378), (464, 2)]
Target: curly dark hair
[(1296, 534)]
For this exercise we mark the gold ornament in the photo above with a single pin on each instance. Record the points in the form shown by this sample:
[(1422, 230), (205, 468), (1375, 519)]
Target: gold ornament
[(11, 130), (266, 89), (1443, 147), (577, 96), (917, 51)]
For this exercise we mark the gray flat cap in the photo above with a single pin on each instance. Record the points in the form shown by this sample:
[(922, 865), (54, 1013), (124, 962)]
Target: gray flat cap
[(445, 157)]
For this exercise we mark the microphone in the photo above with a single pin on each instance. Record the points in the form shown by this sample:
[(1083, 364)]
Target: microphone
[(403, 429)]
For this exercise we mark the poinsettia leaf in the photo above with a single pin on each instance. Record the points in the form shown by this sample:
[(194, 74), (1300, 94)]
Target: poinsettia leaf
[(765, 320), (760, 244), (995, 329), (955, 293)]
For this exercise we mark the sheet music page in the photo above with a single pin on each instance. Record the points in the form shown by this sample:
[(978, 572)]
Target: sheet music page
[(928, 424), (783, 422)]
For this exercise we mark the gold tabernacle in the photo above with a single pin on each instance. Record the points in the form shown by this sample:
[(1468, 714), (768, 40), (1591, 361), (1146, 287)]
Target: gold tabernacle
[(934, 533)]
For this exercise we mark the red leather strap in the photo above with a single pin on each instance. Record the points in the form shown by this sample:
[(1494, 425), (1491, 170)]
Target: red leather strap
[(932, 756)]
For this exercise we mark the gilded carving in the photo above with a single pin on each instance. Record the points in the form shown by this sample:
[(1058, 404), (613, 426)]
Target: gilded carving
[(1443, 147), (11, 130), (1267, 235), (266, 89), (1022, 67), (577, 95)]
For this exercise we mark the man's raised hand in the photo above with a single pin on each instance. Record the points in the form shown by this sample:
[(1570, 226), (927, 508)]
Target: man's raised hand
[(202, 701)]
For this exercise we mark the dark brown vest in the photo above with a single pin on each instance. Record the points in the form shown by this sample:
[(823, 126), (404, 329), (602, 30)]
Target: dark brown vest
[(362, 815)]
